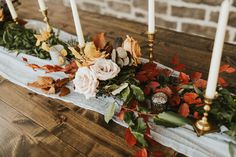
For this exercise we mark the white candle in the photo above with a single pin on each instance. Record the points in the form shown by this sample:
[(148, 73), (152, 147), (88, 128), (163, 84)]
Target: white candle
[(151, 16), (78, 27), (42, 5), (217, 50), (11, 9)]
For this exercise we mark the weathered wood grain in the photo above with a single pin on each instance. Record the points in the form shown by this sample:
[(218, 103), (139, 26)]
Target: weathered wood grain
[(64, 123), (21, 137)]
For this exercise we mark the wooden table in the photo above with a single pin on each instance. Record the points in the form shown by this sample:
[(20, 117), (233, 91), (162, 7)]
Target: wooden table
[(35, 126)]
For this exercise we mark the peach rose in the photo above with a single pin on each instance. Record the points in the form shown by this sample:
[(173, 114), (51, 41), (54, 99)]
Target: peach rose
[(105, 69), (86, 82)]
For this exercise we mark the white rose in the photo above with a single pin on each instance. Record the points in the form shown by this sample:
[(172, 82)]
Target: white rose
[(86, 82), (105, 69)]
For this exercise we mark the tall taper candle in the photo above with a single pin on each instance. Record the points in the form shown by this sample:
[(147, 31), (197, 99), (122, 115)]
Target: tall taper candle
[(151, 16), (42, 5), (78, 27), (11, 9), (217, 50)]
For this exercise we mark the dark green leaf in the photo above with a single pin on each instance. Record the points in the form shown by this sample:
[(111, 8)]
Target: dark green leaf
[(138, 93)]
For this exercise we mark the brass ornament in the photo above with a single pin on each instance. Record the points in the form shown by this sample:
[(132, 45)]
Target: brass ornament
[(151, 39), (203, 126), (46, 20)]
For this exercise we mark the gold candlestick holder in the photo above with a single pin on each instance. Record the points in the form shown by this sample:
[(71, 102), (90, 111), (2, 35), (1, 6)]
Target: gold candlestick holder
[(151, 39), (46, 20), (203, 126), (16, 20)]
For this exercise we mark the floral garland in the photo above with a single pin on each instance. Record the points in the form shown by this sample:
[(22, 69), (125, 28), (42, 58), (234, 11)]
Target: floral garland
[(115, 70)]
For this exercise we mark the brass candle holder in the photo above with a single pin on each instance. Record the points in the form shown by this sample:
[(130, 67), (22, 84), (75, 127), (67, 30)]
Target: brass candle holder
[(151, 39), (203, 126), (46, 20), (16, 20)]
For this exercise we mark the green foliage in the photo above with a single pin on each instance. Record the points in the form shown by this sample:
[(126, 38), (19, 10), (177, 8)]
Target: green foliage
[(138, 93), (17, 38), (171, 119), (110, 111)]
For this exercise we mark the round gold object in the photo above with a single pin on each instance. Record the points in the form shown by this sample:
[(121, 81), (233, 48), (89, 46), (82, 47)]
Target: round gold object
[(207, 108)]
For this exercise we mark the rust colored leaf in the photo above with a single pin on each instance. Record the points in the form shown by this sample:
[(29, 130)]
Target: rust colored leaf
[(195, 115), (64, 91), (227, 68), (25, 59), (61, 82), (180, 67), (99, 41), (222, 82), (50, 90), (34, 66), (184, 110), (141, 153), (129, 137), (184, 78), (175, 60), (165, 90), (175, 100), (45, 80), (230, 70), (177, 65), (200, 83), (196, 76), (51, 68), (192, 98)]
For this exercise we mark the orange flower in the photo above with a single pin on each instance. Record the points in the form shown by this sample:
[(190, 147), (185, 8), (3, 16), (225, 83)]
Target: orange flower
[(133, 47)]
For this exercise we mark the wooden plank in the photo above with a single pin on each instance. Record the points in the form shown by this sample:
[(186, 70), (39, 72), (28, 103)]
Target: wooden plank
[(67, 125), (26, 138)]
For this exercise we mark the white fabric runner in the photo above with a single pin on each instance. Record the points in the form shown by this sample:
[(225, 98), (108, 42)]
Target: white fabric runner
[(183, 140)]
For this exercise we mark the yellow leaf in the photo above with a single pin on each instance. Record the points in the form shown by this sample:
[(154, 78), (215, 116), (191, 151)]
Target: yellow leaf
[(44, 36), (91, 52), (45, 47), (63, 52), (75, 53)]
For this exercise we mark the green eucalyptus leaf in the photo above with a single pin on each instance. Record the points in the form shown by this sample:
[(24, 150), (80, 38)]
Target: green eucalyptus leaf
[(231, 149), (140, 126), (171, 118), (140, 138), (125, 94), (128, 118), (110, 111), (138, 93), (187, 87)]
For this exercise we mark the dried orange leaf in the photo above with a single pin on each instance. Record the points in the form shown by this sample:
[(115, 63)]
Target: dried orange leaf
[(45, 80), (50, 90), (64, 91), (61, 82), (99, 41)]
